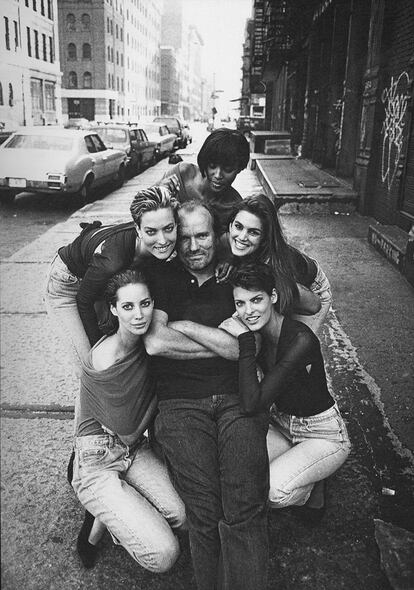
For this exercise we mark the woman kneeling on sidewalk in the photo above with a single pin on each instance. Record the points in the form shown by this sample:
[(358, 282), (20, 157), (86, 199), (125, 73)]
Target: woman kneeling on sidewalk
[(307, 439), (119, 479)]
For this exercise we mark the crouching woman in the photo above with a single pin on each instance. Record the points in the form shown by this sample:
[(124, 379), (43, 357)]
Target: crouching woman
[(307, 439), (118, 478)]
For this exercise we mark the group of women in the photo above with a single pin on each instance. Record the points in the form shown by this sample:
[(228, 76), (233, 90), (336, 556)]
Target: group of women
[(100, 299)]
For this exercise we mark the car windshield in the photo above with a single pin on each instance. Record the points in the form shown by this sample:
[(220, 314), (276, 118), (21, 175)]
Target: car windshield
[(110, 136), (152, 129), (41, 142)]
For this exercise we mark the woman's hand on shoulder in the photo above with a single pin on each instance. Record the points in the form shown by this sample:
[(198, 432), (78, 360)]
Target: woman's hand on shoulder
[(222, 271), (233, 326)]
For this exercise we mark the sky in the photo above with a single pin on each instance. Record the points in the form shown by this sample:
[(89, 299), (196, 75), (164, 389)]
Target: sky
[(221, 24)]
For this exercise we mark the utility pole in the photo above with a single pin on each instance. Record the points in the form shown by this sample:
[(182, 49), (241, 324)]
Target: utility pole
[(214, 95)]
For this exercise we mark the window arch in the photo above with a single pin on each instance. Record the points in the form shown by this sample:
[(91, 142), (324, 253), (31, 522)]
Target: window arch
[(72, 52), (87, 80), (73, 80), (86, 21), (70, 22), (86, 51)]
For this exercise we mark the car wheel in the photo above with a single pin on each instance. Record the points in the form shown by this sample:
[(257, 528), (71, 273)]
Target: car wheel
[(120, 177), (7, 196), (85, 193)]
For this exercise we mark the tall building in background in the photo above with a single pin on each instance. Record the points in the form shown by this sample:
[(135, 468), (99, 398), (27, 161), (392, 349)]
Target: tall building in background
[(29, 68), (184, 40), (110, 58)]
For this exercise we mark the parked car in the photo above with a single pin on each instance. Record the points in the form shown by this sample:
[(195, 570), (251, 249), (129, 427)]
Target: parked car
[(163, 138), (175, 125), (246, 124), (55, 160), (140, 151)]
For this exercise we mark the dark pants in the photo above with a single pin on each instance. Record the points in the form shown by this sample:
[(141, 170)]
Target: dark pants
[(220, 467)]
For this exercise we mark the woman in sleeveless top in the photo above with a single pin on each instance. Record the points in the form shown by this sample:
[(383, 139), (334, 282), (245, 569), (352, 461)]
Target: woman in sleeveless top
[(120, 480), (80, 271)]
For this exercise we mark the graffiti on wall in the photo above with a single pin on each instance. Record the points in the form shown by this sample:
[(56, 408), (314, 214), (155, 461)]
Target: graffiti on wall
[(394, 99)]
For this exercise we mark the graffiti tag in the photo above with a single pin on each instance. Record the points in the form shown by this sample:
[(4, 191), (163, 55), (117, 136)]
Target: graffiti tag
[(395, 99)]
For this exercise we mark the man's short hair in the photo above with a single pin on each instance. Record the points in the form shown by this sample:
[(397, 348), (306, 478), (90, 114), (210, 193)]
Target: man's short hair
[(226, 147), (192, 205)]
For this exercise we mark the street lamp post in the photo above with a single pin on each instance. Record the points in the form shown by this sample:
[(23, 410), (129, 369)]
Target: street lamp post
[(214, 96)]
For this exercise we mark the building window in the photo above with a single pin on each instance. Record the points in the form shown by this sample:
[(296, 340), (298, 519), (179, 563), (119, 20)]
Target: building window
[(51, 52), (122, 84), (116, 31), (29, 42), (36, 42), (87, 80), (117, 58), (7, 32), (109, 80), (72, 80), (26, 3), (112, 28), (1, 94), (121, 33), (109, 53), (11, 97), (16, 35), (107, 25), (122, 59), (49, 9), (117, 83), (112, 54), (50, 96), (70, 22), (86, 51), (72, 52), (42, 7), (86, 22), (34, 5), (44, 47)]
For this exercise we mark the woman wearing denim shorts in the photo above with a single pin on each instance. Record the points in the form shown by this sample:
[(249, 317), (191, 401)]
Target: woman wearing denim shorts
[(307, 439)]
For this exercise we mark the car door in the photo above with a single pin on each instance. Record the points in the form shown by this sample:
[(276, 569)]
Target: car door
[(146, 146), (109, 157), (97, 161)]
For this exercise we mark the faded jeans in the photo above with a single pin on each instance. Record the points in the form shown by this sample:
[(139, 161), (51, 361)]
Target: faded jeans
[(322, 288), (303, 451), (60, 299), (130, 492), (219, 463)]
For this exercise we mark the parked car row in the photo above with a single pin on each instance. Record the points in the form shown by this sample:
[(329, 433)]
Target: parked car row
[(54, 160), (79, 159)]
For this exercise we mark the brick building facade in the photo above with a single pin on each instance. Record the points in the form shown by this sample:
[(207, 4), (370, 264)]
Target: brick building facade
[(110, 58), (339, 76)]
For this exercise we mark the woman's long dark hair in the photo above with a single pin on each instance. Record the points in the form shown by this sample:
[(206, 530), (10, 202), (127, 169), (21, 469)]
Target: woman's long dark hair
[(273, 248), (130, 276)]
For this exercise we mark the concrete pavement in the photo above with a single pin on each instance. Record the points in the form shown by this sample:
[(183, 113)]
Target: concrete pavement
[(368, 346)]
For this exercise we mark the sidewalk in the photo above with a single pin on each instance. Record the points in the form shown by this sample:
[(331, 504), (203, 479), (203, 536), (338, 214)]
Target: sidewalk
[(368, 346)]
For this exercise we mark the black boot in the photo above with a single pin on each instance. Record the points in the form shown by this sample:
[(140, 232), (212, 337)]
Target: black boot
[(86, 551)]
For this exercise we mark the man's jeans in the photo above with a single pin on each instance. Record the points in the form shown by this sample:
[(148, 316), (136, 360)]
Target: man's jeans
[(220, 467), (303, 451), (132, 495)]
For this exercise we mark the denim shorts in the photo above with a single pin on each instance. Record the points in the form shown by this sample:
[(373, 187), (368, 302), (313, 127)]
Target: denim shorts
[(328, 425)]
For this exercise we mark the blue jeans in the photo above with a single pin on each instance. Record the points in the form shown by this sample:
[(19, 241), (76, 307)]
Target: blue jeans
[(62, 286), (131, 493), (303, 451), (220, 467)]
